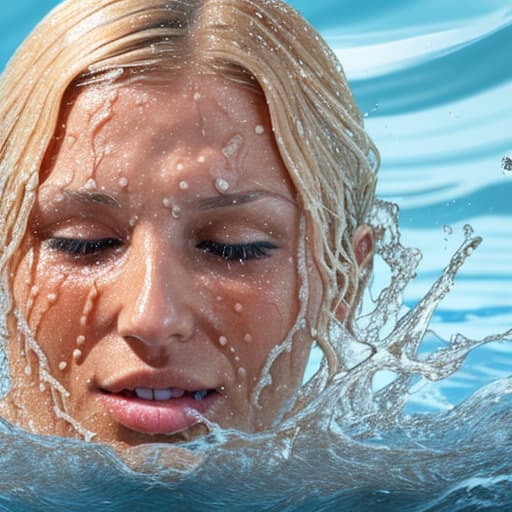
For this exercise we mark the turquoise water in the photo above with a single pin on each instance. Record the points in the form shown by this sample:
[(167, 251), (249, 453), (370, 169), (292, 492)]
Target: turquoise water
[(435, 82)]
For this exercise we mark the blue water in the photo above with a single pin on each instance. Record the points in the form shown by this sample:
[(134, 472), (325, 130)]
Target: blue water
[(434, 79)]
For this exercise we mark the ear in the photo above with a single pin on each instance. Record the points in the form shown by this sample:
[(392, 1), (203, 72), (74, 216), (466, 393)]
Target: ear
[(363, 245)]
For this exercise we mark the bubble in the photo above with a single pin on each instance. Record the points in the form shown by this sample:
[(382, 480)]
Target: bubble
[(166, 201), (247, 338), (221, 185), (223, 341), (468, 231), (447, 229), (183, 185), (77, 354), (123, 182), (238, 307), (63, 365), (259, 130), (80, 340), (90, 184), (506, 165)]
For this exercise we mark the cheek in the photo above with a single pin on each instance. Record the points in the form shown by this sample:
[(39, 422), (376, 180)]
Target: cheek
[(53, 305)]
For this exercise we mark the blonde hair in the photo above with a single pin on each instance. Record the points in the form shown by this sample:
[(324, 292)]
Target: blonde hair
[(263, 43)]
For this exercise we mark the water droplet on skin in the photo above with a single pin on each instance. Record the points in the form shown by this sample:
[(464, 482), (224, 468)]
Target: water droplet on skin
[(219, 298), (52, 297), (201, 159), (223, 341), (183, 185), (77, 354), (80, 340), (175, 212), (237, 359), (242, 373), (232, 350), (28, 370), (180, 167), (232, 146), (259, 130), (123, 182), (83, 320), (221, 185), (197, 96), (247, 338), (238, 307), (63, 365), (34, 291), (42, 387), (59, 198), (166, 201), (133, 220), (90, 184)]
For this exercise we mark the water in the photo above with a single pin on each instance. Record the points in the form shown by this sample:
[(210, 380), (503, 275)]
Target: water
[(435, 82)]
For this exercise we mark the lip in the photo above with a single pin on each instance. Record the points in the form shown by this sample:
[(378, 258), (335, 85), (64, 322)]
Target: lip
[(157, 417)]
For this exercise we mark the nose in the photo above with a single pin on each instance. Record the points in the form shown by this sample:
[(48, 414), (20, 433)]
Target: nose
[(156, 310)]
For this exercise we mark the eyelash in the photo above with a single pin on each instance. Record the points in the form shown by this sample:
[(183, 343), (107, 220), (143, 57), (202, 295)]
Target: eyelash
[(237, 252), (229, 252), (81, 247)]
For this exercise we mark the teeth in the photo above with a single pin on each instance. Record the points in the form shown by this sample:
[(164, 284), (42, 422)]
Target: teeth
[(166, 394), (163, 394), (177, 392), (199, 395), (144, 393)]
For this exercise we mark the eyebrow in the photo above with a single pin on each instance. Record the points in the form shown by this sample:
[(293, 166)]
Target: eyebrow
[(227, 200), (87, 197)]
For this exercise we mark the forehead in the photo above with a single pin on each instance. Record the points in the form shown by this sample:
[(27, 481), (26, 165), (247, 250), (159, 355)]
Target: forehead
[(152, 125)]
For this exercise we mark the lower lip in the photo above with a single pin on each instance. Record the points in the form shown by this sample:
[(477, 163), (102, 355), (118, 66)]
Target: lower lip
[(157, 417)]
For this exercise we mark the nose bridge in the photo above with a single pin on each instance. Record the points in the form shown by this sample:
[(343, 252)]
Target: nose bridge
[(155, 309)]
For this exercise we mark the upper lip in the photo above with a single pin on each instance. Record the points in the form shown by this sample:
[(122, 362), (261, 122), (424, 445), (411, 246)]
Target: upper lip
[(155, 380)]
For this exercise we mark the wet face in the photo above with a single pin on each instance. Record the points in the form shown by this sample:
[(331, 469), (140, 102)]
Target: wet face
[(159, 267)]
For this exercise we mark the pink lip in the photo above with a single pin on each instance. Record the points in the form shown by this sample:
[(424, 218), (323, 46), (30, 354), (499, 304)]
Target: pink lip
[(156, 417)]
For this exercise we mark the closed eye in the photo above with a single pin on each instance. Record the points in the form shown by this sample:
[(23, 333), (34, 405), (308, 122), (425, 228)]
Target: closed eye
[(240, 252), (83, 247)]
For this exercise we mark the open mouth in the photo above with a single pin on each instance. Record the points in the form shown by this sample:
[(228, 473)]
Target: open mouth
[(161, 395), (158, 410)]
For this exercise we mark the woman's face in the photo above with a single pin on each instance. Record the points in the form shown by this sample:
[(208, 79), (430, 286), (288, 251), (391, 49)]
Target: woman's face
[(159, 268)]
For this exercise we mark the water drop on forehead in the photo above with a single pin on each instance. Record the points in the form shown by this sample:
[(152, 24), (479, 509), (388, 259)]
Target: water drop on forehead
[(221, 185), (175, 212), (238, 307), (180, 167), (90, 184), (166, 201), (63, 365), (259, 129), (223, 341), (123, 182), (77, 354), (183, 185)]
